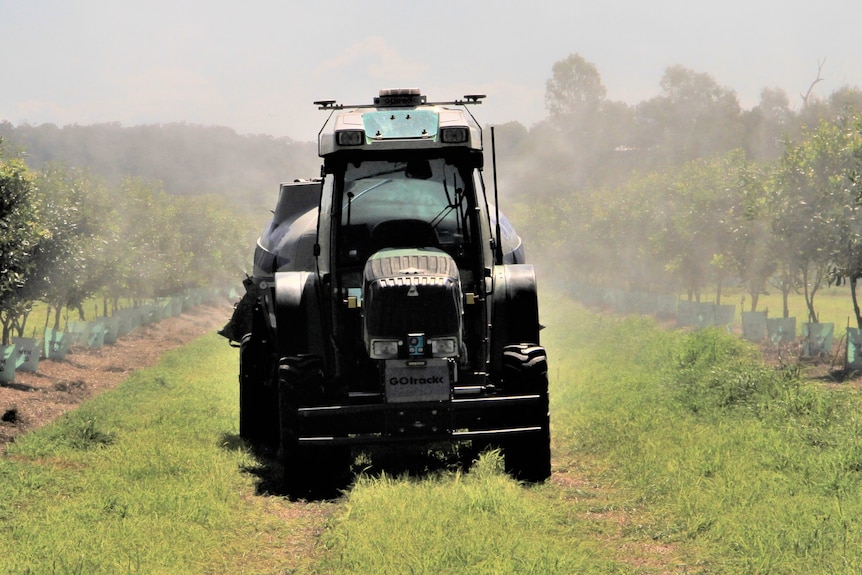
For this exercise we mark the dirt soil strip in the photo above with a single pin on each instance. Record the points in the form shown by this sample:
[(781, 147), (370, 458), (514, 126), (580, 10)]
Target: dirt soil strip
[(36, 399)]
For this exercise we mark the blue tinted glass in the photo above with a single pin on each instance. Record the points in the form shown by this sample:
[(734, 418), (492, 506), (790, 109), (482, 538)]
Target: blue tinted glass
[(401, 124)]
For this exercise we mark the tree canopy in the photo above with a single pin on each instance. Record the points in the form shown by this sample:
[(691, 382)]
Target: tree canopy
[(687, 192), (66, 237)]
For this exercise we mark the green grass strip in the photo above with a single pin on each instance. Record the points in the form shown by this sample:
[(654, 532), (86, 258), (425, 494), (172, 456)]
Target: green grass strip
[(740, 468), (146, 478), (478, 522)]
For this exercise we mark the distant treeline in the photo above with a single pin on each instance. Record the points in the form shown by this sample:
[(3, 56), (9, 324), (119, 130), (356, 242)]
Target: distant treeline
[(187, 159)]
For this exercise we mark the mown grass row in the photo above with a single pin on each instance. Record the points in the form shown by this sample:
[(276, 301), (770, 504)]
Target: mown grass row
[(746, 468), (144, 479), (673, 452)]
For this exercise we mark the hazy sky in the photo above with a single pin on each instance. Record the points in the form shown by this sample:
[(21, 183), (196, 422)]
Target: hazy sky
[(256, 66)]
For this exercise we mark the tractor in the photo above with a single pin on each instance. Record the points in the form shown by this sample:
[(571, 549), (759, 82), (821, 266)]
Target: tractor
[(390, 301)]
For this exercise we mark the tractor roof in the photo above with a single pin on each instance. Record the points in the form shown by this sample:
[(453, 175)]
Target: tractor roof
[(399, 119)]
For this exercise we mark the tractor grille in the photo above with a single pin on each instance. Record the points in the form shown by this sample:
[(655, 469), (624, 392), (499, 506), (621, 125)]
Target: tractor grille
[(411, 291)]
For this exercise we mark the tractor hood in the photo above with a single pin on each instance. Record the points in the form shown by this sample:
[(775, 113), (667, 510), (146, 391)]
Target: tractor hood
[(412, 304)]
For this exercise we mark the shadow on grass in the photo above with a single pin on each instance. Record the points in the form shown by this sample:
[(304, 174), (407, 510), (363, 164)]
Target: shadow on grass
[(393, 461), (270, 477), (415, 460), (266, 468)]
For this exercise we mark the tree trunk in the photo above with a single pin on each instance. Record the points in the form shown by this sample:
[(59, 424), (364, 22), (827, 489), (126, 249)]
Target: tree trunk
[(22, 324), (853, 281), (57, 309), (7, 331), (809, 298)]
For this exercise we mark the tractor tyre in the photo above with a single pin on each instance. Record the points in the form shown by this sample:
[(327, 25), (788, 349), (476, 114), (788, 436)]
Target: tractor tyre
[(309, 470), (527, 456), (525, 368), (258, 394)]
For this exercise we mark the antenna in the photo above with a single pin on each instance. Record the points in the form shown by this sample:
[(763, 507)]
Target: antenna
[(498, 244)]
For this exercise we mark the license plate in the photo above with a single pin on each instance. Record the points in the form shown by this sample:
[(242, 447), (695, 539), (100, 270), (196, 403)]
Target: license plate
[(426, 380)]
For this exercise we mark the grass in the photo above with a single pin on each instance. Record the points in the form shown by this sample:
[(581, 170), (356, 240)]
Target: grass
[(479, 522), (673, 453), (144, 479), (742, 469)]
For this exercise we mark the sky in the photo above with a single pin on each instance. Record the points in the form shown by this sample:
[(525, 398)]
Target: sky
[(257, 65)]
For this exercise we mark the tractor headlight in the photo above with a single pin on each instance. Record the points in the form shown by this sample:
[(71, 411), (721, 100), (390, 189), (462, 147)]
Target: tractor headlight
[(458, 135), (443, 346), (384, 348), (350, 137)]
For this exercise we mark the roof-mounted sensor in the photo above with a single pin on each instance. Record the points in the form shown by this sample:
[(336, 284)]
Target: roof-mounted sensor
[(399, 97)]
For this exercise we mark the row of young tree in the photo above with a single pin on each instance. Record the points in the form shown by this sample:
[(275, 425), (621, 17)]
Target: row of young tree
[(66, 237), (682, 192), (687, 192)]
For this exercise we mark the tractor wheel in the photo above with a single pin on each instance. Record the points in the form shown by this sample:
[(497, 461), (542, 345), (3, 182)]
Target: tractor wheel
[(525, 371), (258, 411), (525, 368), (309, 470), (528, 457)]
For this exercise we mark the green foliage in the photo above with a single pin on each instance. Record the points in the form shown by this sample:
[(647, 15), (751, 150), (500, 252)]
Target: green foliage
[(715, 221), (81, 431), (717, 372), (68, 238), (816, 203), (575, 89), (687, 191), (19, 238), (698, 117), (74, 210)]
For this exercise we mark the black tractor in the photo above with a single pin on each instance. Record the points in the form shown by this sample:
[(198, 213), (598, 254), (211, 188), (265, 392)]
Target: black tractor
[(390, 302)]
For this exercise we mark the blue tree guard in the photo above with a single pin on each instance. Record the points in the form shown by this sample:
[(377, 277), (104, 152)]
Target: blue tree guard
[(55, 344), (28, 353), (754, 325), (817, 339), (853, 360), (781, 330), (7, 363)]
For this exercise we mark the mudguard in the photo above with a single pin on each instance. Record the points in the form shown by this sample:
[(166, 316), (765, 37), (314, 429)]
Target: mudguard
[(297, 316), (515, 315)]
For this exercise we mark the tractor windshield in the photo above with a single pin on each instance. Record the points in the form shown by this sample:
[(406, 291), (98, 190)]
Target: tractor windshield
[(415, 203)]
